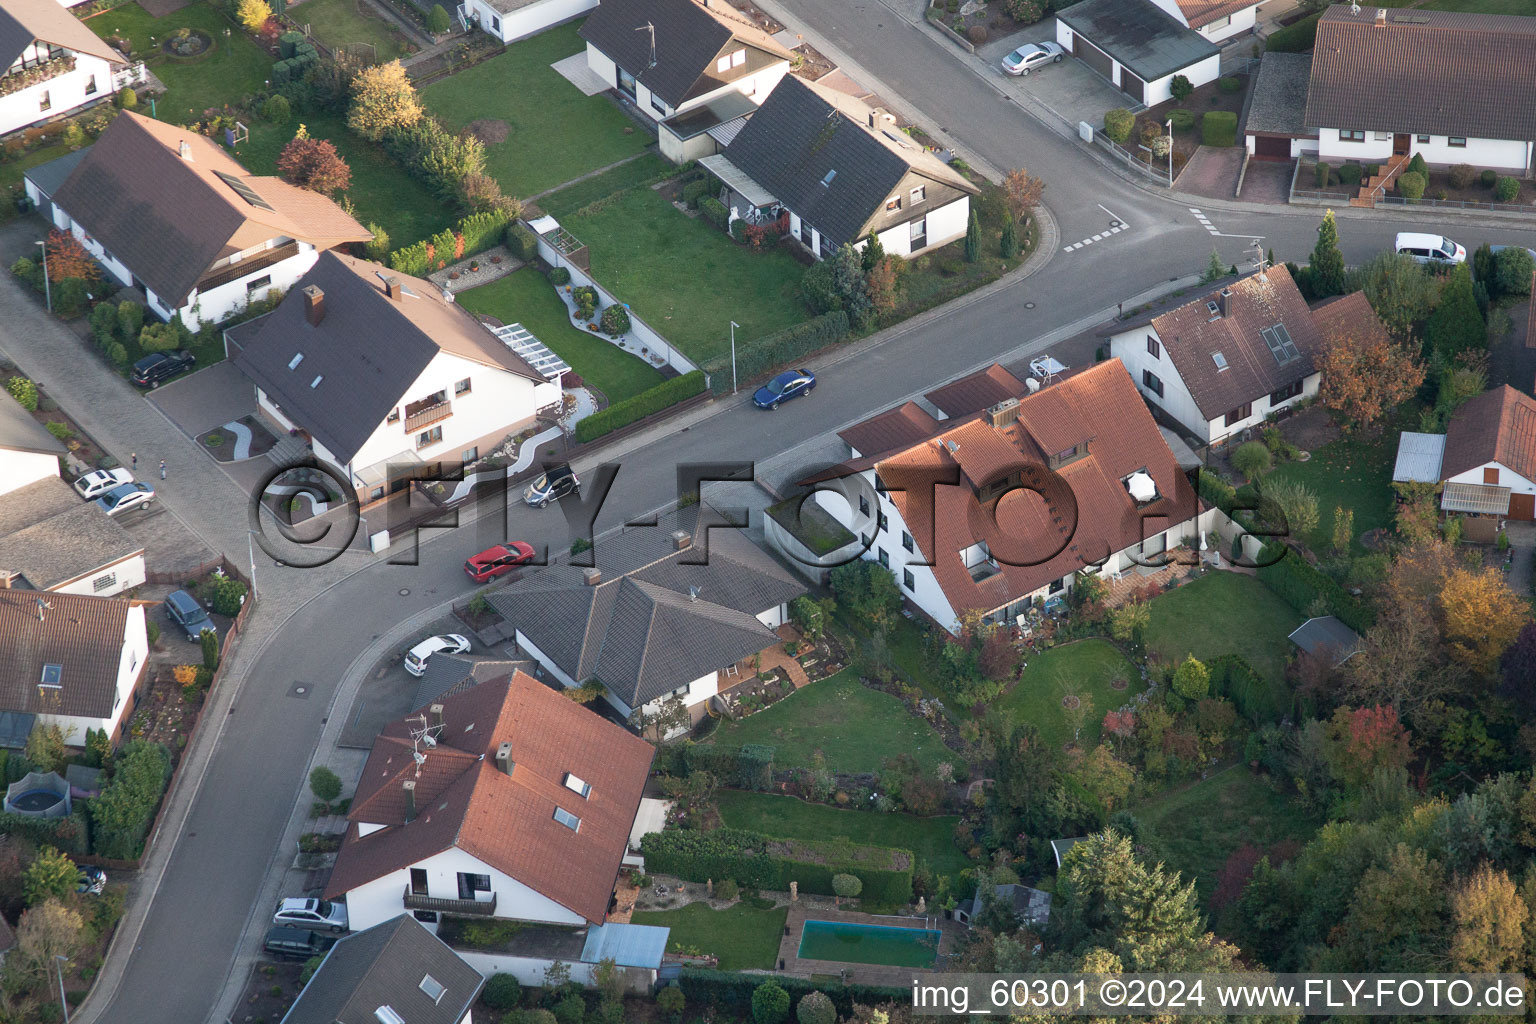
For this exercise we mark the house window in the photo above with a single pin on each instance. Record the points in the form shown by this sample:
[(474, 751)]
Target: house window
[(893, 203), (881, 522), (1349, 135), (418, 881), (919, 194), (863, 505), (376, 494), (1154, 348), (885, 559), (432, 988), (394, 415), (1239, 414), (495, 24), (44, 102), (1056, 587), (1383, 136), (731, 60), (469, 884), (429, 437), (906, 540), (1456, 142), (425, 916), (919, 237), (1152, 382), (106, 581), (578, 786), (908, 580), (1491, 475), (462, 387), (567, 819), (1285, 394), (1218, 23), (264, 281), (1423, 140), (90, 86), (658, 106)]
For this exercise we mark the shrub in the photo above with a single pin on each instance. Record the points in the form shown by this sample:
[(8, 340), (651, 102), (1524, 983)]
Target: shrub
[(1180, 88), (383, 102), (60, 430), (122, 814), (70, 296), (29, 271), (559, 276), (1025, 12), (1514, 269), (816, 1008), (1256, 697), (1118, 123), (1322, 174), (288, 42), (1488, 178), (572, 1009), (1410, 185), (1252, 459), (732, 992), (664, 395), (1461, 175), (694, 191), (438, 23), (671, 1002), (770, 1004), (104, 325), (1183, 120), (1349, 174), (615, 320), (1218, 128), (117, 353), (1192, 680), (482, 230), (585, 297), (847, 886), (1296, 38), (745, 857), (977, 34), (781, 348), (522, 242), (228, 595), (130, 318), (324, 783), (1300, 584), (126, 98), (714, 211), (411, 260), (1506, 189), (502, 992), (1418, 166), (377, 247), (315, 165)]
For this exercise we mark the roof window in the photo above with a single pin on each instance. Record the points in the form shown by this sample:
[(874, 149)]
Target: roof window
[(387, 1015), (1220, 360), (567, 819), (293, 364), (432, 987), (1280, 344), (579, 786), (316, 382), (827, 181), (53, 675)]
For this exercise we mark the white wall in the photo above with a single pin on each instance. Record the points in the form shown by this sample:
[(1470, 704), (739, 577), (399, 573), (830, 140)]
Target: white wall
[(126, 575), (601, 65), (526, 21), (228, 299), (65, 93), (384, 898), (539, 656), (1240, 21), (1161, 90), (18, 469), (1480, 153), (944, 224), (529, 971), (1507, 478), (130, 665), (1218, 430)]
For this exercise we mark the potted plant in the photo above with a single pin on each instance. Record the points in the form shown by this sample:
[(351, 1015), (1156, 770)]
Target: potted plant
[(474, 266)]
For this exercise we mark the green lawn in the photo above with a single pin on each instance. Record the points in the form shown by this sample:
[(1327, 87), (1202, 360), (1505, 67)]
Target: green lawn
[(1196, 829), (1224, 613), (555, 133), (685, 278), (855, 727), (1349, 473), (643, 168), (1084, 669), (341, 23), (526, 297), (785, 817), (743, 938)]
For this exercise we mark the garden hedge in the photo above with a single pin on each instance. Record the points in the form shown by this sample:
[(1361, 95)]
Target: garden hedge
[(1297, 38), (732, 991), (1299, 583), (1219, 128), (744, 857), (1256, 697), (122, 814), (483, 230), (288, 41), (652, 400), (522, 242), (714, 211), (772, 351), (694, 191)]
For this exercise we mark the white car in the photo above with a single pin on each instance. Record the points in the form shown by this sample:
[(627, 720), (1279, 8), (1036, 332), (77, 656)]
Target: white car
[(99, 481), (313, 914), (1031, 56), (126, 496), (447, 643), (1429, 248)]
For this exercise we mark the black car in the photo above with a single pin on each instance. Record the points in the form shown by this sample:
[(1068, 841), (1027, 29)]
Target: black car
[(158, 367), (296, 943)]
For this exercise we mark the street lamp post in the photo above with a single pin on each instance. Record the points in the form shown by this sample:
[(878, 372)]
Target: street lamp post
[(47, 288), (1170, 152), (734, 325), (62, 1001), (250, 548)]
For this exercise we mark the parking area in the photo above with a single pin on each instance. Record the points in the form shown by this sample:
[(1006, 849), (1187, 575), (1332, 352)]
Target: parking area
[(1071, 89), (169, 547)]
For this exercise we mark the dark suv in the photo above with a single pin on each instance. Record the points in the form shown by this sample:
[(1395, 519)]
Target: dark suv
[(182, 608), (158, 367)]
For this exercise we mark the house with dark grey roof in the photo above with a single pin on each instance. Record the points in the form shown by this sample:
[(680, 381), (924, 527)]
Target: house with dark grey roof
[(1139, 46), (380, 370), (838, 170), (394, 971), (1454, 88), (669, 611), (1027, 907), (55, 64), (671, 58), (1276, 126), (170, 211)]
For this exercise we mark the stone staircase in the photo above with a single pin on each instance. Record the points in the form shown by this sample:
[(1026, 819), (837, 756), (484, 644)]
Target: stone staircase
[(1377, 184), (290, 451)]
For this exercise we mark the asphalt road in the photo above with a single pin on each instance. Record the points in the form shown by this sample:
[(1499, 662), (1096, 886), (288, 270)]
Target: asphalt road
[(214, 879)]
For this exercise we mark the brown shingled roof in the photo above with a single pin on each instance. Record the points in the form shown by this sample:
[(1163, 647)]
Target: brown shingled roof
[(81, 634), (975, 392), (506, 821), (1496, 426), (892, 429), (1349, 316), (24, 21)]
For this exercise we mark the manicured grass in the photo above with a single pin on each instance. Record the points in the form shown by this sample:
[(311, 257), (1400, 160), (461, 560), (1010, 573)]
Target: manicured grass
[(237, 68), (12, 172), (1481, 6), (1197, 828), (644, 168), (1349, 473), (743, 938), (931, 840), (1085, 669), (526, 297), (856, 728), (687, 279), (555, 133), (342, 23), (1224, 613)]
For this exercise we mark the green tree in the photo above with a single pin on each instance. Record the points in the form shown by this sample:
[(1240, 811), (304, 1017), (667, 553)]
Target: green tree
[(1215, 270), (210, 642), (1107, 777), (46, 747), (1180, 87), (502, 992), (130, 319), (571, 1010), (973, 239), (872, 253), (770, 1004), (1008, 243), (816, 1008), (1456, 325), (1400, 291), (1326, 270), (24, 391), (867, 590), (1515, 267), (324, 783), (1397, 914), (671, 1001), (383, 101), (439, 23), (1252, 459), (51, 876), (228, 595), (377, 248), (1192, 680)]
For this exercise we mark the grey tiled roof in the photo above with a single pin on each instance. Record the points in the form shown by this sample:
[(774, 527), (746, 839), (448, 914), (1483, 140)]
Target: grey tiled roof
[(1280, 94), (58, 547), (1138, 35), (385, 966), (49, 176)]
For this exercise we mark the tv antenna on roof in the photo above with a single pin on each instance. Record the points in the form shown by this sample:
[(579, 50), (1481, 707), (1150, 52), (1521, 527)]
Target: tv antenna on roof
[(648, 27), (423, 738), (1260, 261), (1354, 7)]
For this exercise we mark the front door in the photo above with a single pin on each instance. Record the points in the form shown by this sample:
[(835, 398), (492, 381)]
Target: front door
[(1400, 144)]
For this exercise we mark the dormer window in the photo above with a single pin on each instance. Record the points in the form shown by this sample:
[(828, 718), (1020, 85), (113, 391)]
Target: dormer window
[(731, 60), (1069, 455)]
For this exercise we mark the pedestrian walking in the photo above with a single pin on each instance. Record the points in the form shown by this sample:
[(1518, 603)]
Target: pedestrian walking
[(162, 469), (135, 459)]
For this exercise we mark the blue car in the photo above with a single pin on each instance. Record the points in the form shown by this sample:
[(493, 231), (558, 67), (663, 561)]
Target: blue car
[(787, 385)]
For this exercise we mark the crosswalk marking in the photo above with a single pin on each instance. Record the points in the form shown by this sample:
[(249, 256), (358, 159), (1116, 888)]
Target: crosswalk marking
[(1096, 238)]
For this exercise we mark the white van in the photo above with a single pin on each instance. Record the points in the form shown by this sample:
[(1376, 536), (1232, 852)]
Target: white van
[(1429, 248)]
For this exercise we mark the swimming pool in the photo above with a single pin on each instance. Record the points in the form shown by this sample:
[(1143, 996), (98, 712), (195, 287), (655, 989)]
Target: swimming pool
[(869, 944)]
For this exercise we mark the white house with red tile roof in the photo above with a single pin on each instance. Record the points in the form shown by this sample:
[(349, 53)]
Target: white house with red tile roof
[(1489, 465), (1214, 19)]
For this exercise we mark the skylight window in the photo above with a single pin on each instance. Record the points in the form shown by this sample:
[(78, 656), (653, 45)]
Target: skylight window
[(1280, 344), (433, 988), (578, 786), (1220, 360), (293, 364), (387, 1015), (1213, 308), (244, 191), (316, 382), (53, 675), (567, 819), (827, 181)]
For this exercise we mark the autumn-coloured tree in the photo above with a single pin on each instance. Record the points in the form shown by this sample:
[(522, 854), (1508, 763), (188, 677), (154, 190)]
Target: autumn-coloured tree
[(1120, 723), (1417, 517), (882, 286), (1024, 191), (1365, 374), (1402, 662), (1234, 875), (68, 258), (253, 14), (1343, 529), (1488, 920), (998, 658), (1482, 616), (1106, 777), (45, 931), (383, 100), (314, 164), (1363, 740)]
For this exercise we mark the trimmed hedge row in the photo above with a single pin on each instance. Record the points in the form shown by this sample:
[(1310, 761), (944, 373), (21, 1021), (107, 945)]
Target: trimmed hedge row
[(729, 990), (1297, 38), (1256, 698), (651, 400), (1300, 583), (714, 211), (745, 858), (781, 348)]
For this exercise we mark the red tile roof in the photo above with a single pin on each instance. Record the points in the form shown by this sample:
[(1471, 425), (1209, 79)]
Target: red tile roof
[(1203, 12), (82, 634), (892, 429), (463, 800), (1496, 426), (1349, 316), (975, 392)]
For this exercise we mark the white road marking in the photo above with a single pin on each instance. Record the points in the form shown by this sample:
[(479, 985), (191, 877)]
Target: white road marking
[(1118, 226)]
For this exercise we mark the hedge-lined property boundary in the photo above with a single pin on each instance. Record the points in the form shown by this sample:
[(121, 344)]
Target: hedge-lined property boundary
[(779, 349), (480, 231), (757, 861), (652, 400), (1257, 698), (1299, 583), (728, 989)]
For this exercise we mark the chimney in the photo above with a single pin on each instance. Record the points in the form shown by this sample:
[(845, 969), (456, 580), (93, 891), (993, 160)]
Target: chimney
[(1226, 295), (5, 579), (185, 149), (437, 715), (392, 287), (681, 540), (314, 305), (504, 761), (1381, 15), (592, 577), (1003, 413), (409, 785)]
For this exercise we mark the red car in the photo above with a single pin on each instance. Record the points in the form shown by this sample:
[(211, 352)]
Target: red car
[(498, 561)]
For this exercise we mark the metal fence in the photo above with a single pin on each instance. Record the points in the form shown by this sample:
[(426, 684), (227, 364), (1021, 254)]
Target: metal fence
[(1130, 159), (1238, 65), (1464, 204)]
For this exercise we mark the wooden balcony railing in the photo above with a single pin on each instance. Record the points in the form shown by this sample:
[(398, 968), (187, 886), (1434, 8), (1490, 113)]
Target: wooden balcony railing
[(452, 907), (227, 272), (428, 416)]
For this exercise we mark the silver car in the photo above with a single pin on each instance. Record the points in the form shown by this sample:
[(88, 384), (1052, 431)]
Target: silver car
[(1031, 56)]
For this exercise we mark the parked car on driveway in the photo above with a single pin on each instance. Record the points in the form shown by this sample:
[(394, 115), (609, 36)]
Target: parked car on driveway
[(99, 481), (787, 385), (287, 943), (553, 485), (446, 643), (316, 915), (498, 561), (1031, 56), (126, 496), (182, 608), (158, 367)]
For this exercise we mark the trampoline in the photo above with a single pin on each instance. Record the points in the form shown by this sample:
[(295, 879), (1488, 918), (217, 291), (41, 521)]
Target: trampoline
[(39, 795)]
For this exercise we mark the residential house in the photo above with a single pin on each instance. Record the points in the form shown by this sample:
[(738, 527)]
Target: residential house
[(395, 971), (508, 800), (511, 20), (169, 211), (672, 58), (1276, 126), (379, 370), (1454, 88), (655, 618), (50, 539), (838, 170), (70, 660), (55, 64), (1030, 908), (1000, 508), (1221, 363), (1489, 466), (1140, 47)]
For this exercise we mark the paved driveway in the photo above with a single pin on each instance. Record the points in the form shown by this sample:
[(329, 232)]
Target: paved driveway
[(1071, 89), (1212, 172), (211, 397), (1268, 181)]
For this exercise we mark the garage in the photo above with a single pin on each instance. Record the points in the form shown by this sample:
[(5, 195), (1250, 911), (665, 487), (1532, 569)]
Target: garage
[(1093, 56), (1132, 86), (1522, 506), (1137, 46), (1270, 147)]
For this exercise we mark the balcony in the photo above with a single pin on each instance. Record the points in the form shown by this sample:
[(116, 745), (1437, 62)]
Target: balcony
[(227, 272), (425, 416), (452, 907)]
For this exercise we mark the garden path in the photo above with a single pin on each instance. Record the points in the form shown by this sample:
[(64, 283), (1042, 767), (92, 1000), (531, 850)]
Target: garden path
[(590, 174)]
